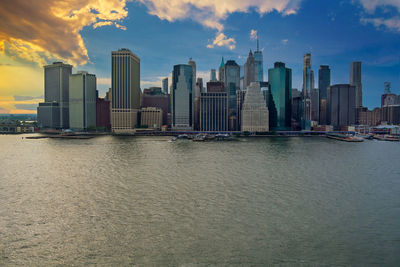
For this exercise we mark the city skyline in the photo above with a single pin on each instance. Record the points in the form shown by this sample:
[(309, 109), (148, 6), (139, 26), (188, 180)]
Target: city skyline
[(345, 32)]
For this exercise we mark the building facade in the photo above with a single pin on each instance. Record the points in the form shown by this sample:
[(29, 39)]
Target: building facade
[(249, 70), (56, 90), (103, 114), (255, 117), (324, 81), (125, 84), (157, 101), (230, 76), (259, 62), (308, 84), (341, 105), (280, 84), (151, 117), (165, 85), (182, 97), (82, 101), (214, 111), (355, 80)]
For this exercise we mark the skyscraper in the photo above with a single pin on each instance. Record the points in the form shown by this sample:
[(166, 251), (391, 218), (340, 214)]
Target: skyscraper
[(355, 80), (54, 112), (125, 84), (254, 111), (341, 105), (249, 70), (324, 81), (258, 57), (308, 84), (230, 76), (213, 75), (182, 97), (165, 85), (214, 108), (308, 76), (82, 100), (280, 81)]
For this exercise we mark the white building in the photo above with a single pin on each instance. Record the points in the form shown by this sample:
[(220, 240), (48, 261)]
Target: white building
[(255, 115)]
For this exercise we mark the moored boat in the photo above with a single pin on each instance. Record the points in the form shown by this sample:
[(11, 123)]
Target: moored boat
[(344, 137), (387, 137)]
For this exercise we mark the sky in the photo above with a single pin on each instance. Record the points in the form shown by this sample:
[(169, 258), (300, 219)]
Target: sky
[(164, 33)]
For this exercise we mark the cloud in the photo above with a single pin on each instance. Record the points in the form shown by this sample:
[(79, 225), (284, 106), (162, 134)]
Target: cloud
[(211, 13), (285, 41), (105, 81), (26, 106), (4, 111), (42, 30), (372, 5), (253, 34), (24, 98), (389, 21), (222, 40)]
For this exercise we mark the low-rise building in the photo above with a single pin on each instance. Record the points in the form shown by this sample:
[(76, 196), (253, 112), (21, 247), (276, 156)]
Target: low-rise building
[(151, 117)]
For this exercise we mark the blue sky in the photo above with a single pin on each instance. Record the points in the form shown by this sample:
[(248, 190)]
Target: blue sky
[(335, 32)]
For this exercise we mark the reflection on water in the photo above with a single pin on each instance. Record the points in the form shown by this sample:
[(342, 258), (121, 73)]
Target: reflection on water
[(147, 201)]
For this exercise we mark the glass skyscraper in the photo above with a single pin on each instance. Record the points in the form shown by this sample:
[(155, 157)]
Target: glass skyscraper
[(259, 61), (182, 97), (355, 80), (280, 81), (54, 112), (82, 100), (324, 81)]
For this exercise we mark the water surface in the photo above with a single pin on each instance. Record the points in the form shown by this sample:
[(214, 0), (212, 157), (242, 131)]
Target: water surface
[(146, 201)]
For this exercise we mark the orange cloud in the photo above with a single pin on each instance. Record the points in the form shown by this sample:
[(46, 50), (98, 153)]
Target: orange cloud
[(42, 30)]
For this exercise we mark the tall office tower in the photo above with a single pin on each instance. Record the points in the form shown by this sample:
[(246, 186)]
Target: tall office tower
[(280, 83), (240, 94), (388, 88), (165, 85), (214, 108), (213, 75), (221, 67), (249, 70), (198, 91), (296, 109), (182, 97), (314, 96), (255, 117), (82, 100), (355, 80), (258, 57), (324, 81), (307, 76), (193, 64), (125, 84), (230, 75), (341, 105), (308, 84), (54, 112)]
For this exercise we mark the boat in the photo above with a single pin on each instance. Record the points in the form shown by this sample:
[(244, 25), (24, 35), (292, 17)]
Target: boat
[(344, 137), (183, 136), (174, 139), (224, 137), (199, 138), (365, 136), (387, 137)]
